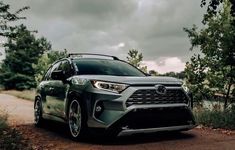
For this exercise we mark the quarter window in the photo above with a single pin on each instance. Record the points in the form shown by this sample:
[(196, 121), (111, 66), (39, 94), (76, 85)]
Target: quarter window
[(53, 68)]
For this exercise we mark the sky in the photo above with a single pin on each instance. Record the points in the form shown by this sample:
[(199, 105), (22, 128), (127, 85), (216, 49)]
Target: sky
[(154, 27)]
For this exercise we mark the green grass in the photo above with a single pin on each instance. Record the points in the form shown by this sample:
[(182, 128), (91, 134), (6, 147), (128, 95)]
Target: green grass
[(10, 138), (26, 94), (3, 121), (216, 118)]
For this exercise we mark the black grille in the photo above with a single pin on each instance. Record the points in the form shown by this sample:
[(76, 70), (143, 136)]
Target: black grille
[(155, 118), (150, 96)]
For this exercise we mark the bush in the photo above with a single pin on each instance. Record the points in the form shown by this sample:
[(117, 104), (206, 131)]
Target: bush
[(11, 138), (17, 81), (3, 119), (216, 118)]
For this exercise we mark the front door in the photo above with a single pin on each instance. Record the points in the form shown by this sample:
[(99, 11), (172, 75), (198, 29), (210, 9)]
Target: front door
[(57, 91)]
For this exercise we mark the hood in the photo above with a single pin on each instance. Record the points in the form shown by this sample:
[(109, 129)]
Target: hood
[(148, 80)]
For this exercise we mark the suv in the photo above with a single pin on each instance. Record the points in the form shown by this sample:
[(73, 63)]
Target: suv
[(88, 91)]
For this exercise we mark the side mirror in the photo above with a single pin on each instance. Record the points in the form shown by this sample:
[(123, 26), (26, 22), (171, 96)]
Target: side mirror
[(58, 75)]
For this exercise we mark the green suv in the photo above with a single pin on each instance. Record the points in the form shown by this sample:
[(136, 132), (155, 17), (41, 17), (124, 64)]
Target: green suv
[(93, 91)]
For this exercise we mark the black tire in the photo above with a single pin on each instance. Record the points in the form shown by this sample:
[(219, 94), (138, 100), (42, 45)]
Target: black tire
[(38, 120), (77, 120)]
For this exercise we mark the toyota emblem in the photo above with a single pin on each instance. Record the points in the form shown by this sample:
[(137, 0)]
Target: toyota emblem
[(160, 89)]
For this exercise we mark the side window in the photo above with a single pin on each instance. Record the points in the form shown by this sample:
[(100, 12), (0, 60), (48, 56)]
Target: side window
[(66, 67), (46, 76), (53, 68)]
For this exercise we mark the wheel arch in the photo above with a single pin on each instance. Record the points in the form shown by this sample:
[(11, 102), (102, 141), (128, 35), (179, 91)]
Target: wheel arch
[(37, 97), (70, 96)]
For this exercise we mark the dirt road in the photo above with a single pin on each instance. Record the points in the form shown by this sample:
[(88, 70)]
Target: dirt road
[(53, 136)]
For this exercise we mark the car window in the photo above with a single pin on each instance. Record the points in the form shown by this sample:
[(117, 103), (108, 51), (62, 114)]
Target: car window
[(66, 67), (88, 66), (47, 74), (53, 68)]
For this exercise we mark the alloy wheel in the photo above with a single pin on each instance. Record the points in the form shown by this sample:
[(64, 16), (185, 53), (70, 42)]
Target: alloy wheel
[(75, 118)]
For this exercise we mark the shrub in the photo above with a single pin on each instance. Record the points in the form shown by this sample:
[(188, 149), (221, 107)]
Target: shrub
[(10, 138), (3, 119), (17, 81), (216, 118)]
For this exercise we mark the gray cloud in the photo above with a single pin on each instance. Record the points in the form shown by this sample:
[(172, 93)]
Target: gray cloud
[(152, 26)]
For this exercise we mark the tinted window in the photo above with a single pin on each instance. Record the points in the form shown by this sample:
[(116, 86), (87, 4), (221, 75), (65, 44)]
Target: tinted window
[(46, 76), (66, 67), (106, 67), (53, 68)]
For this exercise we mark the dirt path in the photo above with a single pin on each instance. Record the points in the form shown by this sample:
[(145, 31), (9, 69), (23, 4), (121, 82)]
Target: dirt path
[(53, 135), (20, 111)]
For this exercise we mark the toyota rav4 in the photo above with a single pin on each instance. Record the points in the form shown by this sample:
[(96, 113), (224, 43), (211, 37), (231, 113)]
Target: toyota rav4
[(88, 91)]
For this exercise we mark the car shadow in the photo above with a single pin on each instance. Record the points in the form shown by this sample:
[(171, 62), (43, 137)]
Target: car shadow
[(60, 129)]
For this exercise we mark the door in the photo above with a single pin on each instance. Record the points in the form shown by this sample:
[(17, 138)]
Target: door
[(47, 89), (57, 91)]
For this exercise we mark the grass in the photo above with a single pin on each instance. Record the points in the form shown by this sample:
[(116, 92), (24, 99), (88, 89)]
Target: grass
[(26, 94), (11, 138), (216, 118), (3, 120)]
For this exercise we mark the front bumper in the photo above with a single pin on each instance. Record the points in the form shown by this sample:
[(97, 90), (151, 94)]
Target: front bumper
[(151, 130), (142, 118)]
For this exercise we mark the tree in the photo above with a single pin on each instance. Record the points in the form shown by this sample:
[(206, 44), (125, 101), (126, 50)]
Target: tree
[(213, 7), (179, 75), (7, 17), (212, 71), (153, 73), (45, 61), (135, 58), (21, 52)]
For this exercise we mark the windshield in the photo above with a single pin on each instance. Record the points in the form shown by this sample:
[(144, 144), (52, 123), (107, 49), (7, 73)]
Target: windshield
[(106, 67)]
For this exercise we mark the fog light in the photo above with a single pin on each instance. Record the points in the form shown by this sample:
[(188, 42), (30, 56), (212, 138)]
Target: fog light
[(99, 108)]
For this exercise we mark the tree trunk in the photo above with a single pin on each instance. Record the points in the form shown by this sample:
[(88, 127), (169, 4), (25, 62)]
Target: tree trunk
[(227, 96), (228, 91)]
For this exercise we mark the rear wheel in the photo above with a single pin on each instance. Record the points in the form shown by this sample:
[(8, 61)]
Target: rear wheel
[(38, 120), (76, 120)]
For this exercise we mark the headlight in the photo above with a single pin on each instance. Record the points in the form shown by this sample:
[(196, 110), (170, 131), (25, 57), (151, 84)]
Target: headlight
[(185, 87), (108, 86)]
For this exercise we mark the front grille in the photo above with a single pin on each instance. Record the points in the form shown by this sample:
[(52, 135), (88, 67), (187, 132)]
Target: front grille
[(156, 118), (150, 96)]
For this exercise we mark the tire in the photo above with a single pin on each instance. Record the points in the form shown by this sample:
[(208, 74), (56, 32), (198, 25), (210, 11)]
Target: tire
[(38, 120), (76, 120)]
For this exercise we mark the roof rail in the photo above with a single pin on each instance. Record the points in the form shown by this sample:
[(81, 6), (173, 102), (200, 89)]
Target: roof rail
[(91, 54)]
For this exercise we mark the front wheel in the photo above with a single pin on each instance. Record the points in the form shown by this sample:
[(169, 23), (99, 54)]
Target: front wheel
[(76, 120), (38, 120)]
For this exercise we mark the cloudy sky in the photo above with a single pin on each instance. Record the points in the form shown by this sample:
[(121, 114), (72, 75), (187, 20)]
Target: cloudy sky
[(154, 27)]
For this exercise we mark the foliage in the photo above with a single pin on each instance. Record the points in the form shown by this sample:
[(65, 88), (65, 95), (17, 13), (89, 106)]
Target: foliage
[(206, 72), (3, 121), (216, 118), (21, 52), (10, 138), (135, 58), (45, 61), (7, 18), (153, 73), (213, 8), (179, 75)]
